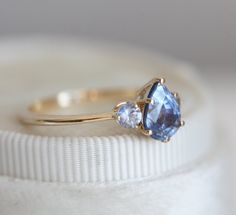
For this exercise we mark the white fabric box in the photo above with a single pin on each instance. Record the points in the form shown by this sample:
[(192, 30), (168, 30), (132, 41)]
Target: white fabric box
[(102, 168)]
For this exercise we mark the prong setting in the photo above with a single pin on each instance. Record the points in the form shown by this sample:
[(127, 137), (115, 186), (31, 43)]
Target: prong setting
[(149, 101), (143, 102), (176, 95), (162, 80), (147, 132), (166, 140), (154, 102), (163, 109), (143, 131)]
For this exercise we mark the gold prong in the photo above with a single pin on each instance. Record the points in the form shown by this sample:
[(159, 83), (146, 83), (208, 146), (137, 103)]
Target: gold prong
[(162, 80), (141, 92), (145, 101), (115, 109), (182, 123), (149, 101), (175, 94), (146, 132), (143, 131), (166, 140)]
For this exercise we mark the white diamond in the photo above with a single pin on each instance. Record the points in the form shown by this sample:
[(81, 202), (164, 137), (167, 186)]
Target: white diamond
[(129, 115)]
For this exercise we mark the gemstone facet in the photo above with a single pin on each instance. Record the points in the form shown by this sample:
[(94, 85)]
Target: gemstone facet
[(162, 116), (129, 115)]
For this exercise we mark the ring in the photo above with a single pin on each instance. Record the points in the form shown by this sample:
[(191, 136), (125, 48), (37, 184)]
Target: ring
[(153, 110)]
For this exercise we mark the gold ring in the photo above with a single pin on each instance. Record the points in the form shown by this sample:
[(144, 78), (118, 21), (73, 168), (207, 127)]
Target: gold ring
[(153, 110)]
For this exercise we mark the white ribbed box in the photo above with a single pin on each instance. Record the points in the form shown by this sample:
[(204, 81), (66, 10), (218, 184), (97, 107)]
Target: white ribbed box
[(101, 168)]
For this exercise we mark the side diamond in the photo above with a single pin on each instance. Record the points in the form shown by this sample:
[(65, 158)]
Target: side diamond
[(129, 115)]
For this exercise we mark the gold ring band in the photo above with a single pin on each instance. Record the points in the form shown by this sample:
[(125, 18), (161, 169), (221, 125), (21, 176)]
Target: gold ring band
[(137, 104), (37, 114)]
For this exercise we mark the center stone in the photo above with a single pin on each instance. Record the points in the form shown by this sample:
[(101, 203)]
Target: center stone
[(162, 116)]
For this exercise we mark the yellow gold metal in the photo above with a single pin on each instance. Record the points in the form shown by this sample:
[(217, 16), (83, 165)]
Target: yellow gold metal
[(143, 91), (143, 131), (166, 140), (40, 111), (144, 102), (118, 106), (177, 97), (162, 80), (147, 132), (182, 123), (149, 101), (175, 94), (55, 120)]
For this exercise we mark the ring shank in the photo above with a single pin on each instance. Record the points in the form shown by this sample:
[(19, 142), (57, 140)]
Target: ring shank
[(38, 111)]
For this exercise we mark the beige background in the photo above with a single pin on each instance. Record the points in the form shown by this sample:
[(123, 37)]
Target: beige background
[(200, 31)]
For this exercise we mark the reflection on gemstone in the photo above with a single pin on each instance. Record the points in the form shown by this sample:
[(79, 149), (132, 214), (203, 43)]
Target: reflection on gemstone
[(163, 116), (129, 115)]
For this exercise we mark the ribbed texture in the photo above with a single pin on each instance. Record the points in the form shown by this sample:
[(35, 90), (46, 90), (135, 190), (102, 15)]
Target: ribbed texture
[(101, 159)]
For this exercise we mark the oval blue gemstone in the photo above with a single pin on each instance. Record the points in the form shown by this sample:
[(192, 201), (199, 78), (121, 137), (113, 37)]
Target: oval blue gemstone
[(163, 116)]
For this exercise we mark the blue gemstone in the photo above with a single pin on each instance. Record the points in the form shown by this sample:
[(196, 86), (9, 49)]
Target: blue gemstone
[(163, 116)]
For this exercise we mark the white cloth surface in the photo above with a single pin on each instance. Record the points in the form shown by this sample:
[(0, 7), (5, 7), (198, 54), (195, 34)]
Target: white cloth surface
[(194, 190), (47, 69), (96, 152)]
